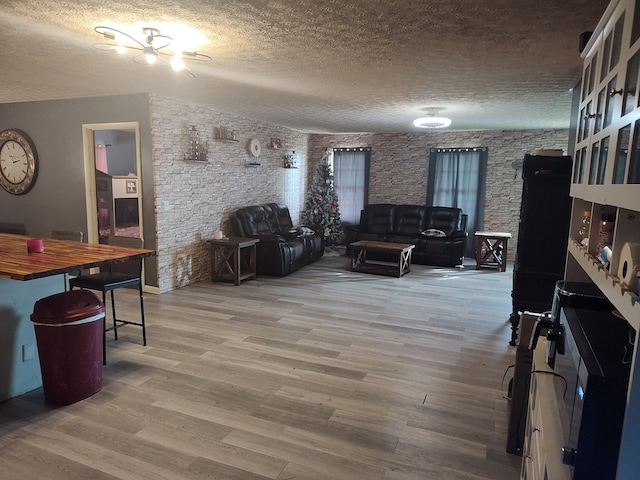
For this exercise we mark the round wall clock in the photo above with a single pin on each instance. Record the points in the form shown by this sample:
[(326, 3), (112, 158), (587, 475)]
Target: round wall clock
[(18, 161)]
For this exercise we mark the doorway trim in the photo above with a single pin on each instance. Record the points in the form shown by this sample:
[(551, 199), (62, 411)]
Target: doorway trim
[(93, 234)]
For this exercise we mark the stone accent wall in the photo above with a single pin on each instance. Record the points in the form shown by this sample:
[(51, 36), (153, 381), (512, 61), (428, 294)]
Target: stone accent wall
[(400, 165), (192, 200)]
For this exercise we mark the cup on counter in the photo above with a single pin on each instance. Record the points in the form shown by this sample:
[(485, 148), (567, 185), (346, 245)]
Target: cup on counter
[(35, 245), (217, 235)]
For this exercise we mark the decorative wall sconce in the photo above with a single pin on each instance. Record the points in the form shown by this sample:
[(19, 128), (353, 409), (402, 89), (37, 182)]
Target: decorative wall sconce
[(290, 160), (198, 151)]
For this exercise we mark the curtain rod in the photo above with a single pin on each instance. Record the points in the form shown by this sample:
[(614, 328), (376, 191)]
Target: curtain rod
[(465, 149), (355, 149)]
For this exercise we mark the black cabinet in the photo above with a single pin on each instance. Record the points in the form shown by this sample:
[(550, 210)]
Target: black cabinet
[(543, 230)]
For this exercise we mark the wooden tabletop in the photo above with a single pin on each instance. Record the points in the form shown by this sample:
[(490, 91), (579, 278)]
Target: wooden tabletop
[(59, 256), (233, 241), (493, 234), (382, 246)]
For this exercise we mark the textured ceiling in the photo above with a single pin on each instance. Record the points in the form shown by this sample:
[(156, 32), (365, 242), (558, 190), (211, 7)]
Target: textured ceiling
[(317, 65)]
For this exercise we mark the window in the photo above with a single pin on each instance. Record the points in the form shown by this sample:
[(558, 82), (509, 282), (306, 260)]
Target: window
[(457, 178), (351, 181)]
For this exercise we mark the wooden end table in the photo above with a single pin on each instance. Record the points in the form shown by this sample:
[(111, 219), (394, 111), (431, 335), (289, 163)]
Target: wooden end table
[(402, 251), (233, 258), (491, 250)]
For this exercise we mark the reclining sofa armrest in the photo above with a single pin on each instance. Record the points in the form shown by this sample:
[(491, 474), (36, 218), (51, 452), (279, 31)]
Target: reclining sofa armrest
[(271, 238), (457, 234), (463, 222)]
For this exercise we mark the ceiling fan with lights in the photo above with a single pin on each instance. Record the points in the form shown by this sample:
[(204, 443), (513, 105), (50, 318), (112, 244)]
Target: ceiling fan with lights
[(150, 50)]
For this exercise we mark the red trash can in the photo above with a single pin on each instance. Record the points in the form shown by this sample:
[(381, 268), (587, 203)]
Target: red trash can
[(69, 329)]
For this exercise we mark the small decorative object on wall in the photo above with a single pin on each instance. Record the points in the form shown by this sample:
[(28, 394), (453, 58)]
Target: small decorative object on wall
[(18, 162), (255, 150), (275, 143), (226, 135), (290, 160), (132, 186), (198, 151), (254, 147)]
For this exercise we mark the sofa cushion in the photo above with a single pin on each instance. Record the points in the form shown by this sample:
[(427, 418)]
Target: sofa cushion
[(433, 232), (409, 220), (377, 219), (258, 220), (281, 216), (446, 219)]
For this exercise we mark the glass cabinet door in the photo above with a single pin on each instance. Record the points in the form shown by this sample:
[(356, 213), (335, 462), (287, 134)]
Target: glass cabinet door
[(631, 85), (622, 150)]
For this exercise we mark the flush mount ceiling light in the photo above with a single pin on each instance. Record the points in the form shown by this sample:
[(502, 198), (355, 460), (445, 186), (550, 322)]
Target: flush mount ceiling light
[(432, 120), (151, 50)]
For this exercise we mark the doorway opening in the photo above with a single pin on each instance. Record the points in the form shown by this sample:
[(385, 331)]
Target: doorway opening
[(113, 181)]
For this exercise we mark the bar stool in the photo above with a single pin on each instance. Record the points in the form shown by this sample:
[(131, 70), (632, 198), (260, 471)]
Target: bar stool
[(110, 281)]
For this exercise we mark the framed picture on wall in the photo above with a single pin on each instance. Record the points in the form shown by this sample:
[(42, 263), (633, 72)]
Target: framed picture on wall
[(132, 186), (276, 142)]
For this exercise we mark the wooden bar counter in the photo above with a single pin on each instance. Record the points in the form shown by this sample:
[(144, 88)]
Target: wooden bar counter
[(24, 279), (58, 257)]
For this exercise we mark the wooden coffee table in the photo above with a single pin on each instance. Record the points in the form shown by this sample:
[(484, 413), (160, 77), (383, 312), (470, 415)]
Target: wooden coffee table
[(402, 251)]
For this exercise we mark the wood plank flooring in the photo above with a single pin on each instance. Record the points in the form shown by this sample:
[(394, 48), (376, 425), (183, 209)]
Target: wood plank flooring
[(323, 374)]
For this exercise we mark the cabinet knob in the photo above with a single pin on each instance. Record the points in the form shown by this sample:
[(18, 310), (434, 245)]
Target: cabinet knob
[(613, 92), (590, 115)]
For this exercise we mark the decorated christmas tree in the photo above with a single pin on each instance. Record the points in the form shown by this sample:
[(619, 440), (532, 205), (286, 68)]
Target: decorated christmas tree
[(321, 210)]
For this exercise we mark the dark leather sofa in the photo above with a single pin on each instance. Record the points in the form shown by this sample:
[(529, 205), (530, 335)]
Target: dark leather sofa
[(439, 233), (283, 248)]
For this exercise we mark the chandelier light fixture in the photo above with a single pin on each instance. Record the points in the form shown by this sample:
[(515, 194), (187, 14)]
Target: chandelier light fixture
[(150, 50), (432, 120)]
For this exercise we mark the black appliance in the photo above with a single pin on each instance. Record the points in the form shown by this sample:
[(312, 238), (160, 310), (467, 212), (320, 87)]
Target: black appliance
[(582, 295), (545, 213), (592, 377)]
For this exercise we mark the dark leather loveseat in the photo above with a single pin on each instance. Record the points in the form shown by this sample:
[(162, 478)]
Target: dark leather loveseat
[(439, 233), (283, 248)]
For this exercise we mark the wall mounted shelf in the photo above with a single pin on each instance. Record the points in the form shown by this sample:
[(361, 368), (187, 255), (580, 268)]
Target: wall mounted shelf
[(223, 134)]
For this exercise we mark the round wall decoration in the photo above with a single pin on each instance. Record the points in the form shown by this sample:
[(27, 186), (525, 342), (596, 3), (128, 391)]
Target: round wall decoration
[(18, 161), (255, 148)]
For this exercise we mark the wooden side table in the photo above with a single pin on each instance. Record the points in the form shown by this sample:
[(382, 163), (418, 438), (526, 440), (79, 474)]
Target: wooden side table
[(233, 258), (491, 250)]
